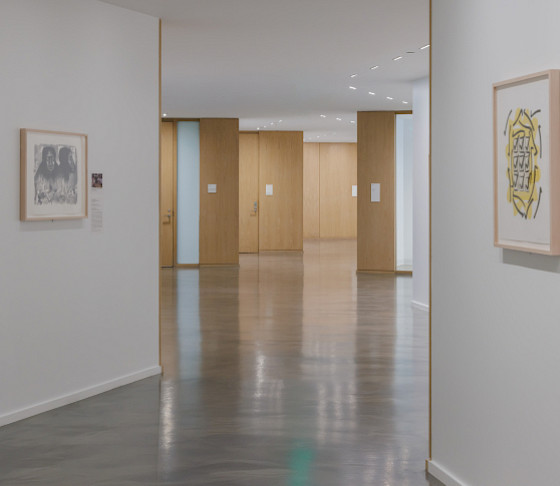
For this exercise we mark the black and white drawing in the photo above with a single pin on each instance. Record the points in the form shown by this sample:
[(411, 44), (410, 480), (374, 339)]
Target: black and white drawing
[(56, 178), (53, 175)]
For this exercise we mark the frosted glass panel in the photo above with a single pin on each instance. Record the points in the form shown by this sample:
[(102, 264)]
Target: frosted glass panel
[(188, 195), (404, 157)]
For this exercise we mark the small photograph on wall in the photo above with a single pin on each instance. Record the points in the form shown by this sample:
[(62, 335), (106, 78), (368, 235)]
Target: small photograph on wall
[(97, 180), (526, 158), (53, 167)]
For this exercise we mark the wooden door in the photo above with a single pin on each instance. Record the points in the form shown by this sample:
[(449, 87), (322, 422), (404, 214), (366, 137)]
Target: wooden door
[(248, 193), (311, 190), (281, 211), (338, 173), (167, 195)]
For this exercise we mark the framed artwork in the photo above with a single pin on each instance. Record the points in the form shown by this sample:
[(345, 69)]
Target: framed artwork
[(53, 175), (527, 163)]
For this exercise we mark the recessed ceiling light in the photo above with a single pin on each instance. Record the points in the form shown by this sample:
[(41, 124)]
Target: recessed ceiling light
[(352, 87), (164, 115), (352, 121), (323, 116), (371, 93), (425, 47), (389, 98), (279, 121), (272, 123), (397, 58), (373, 67), (339, 119), (405, 102), (353, 75)]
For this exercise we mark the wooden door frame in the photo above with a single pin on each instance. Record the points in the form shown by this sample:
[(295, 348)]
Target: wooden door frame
[(254, 132), (174, 192)]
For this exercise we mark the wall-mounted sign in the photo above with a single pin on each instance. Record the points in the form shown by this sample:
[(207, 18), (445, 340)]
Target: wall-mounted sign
[(375, 192), (212, 188), (97, 180), (354, 191), (269, 190)]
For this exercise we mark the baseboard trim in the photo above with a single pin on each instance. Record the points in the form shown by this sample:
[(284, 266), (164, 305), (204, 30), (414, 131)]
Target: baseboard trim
[(443, 475), (420, 305), (77, 396)]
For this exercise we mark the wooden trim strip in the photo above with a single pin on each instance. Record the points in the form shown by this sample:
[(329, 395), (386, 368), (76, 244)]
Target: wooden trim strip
[(160, 195), (430, 440)]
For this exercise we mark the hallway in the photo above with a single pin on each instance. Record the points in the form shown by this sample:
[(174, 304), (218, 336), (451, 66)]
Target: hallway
[(289, 370)]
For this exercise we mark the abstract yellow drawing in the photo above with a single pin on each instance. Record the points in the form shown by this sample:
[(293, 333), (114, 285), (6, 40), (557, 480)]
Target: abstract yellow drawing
[(523, 151)]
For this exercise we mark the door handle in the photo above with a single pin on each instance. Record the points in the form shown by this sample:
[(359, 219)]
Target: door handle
[(169, 215)]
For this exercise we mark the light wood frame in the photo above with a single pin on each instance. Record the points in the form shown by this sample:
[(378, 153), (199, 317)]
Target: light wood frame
[(46, 186), (522, 230)]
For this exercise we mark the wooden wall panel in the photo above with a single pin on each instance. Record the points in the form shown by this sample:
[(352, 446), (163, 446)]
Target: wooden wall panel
[(376, 163), (219, 212), (281, 215), (338, 173), (311, 228), (248, 192)]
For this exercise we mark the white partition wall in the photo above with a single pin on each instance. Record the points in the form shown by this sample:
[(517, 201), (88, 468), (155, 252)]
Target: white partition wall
[(421, 195), (404, 156), (495, 312), (74, 294), (188, 192)]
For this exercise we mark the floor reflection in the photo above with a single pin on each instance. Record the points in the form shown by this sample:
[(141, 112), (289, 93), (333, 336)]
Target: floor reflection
[(289, 370), (308, 373)]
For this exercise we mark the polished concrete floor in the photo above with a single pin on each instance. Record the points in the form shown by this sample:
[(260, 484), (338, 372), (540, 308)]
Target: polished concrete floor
[(290, 370)]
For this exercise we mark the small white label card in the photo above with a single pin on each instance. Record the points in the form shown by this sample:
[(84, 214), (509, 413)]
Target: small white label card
[(211, 188), (354, 191), (269, 190), (375, 192), (96, 211)]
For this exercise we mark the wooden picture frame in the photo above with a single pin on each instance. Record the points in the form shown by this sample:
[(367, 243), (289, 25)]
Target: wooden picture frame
[(527, 163), (53, 175)]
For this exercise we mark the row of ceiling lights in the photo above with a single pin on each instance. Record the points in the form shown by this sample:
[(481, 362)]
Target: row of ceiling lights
[(271, 124), (372, 68), (338, 118), (377, 66), (390, 98)]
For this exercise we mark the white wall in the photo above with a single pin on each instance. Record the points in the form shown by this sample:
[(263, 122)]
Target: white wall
[(421, 195), (79, 309), (495, 313), (188, 192), (404, 162)]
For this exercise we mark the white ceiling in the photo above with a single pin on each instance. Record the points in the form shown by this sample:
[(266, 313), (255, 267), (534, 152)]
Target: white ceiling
[(263, 61)]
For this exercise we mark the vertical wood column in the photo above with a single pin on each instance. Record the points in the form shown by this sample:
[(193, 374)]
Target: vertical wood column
[(219, 212), (376, 163), (281, 215), (311, 188)]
